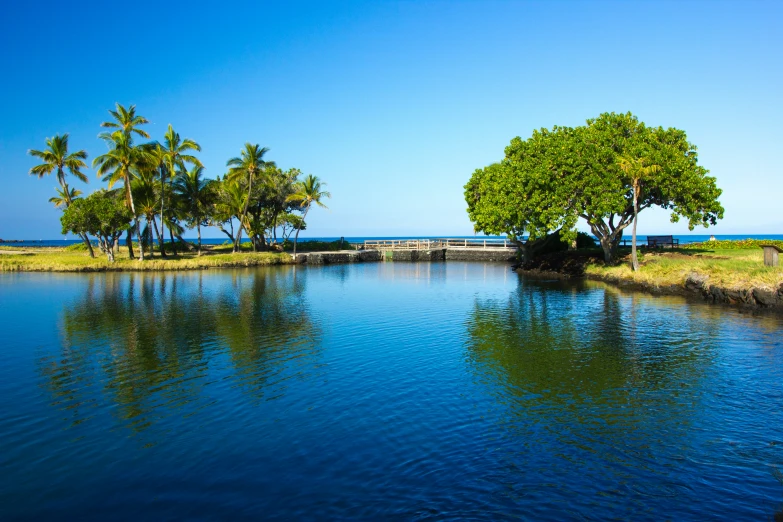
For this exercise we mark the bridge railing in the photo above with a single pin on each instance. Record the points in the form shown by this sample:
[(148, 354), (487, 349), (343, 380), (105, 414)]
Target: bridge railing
[(428, 244)]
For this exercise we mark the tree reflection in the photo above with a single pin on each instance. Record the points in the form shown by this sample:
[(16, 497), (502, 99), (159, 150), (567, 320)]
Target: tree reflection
[(579, 360), (152, 342)]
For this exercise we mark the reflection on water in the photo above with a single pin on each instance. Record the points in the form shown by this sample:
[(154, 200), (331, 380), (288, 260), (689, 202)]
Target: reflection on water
[(149, 340), (383, 390)]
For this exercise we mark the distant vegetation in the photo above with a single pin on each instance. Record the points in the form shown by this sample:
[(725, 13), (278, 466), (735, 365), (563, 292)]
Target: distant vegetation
[(734, 244), (605, 172), (162, 187)]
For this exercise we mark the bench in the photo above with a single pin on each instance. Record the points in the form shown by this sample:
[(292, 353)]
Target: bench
[(662, 241)]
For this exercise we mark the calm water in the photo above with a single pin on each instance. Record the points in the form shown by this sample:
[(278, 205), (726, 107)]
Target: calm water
[(390, 390)]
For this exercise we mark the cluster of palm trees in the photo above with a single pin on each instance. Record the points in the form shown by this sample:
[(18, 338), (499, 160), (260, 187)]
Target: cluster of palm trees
[(163, 183)]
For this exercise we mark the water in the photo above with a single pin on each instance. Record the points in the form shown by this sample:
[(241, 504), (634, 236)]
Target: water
[(684, 239), (376, 391)]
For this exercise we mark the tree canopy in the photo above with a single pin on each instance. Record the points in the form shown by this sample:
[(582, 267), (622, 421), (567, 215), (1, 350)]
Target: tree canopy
[(102, 214), (550, 180)]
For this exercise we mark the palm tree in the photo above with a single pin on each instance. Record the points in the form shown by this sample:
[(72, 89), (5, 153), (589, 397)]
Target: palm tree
[(249, 165), (56, 158), (145, 197), (195, 195), (127, 121), (174, 156), (118, 165), (64, 197), (638, 169), (308, 193), (228, 204)]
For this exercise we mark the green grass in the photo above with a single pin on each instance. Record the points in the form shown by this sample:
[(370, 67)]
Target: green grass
[(730, 268), (65, 260)]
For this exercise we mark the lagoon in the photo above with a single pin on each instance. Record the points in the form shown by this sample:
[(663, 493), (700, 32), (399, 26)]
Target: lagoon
[(381, 390)]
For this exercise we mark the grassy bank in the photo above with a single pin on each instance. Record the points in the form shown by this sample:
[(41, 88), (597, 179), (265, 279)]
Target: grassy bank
[(721, 271), (733, 268), (43, 259)]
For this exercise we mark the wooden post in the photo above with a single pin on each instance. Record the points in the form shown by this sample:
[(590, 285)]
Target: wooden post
[(771, 254)]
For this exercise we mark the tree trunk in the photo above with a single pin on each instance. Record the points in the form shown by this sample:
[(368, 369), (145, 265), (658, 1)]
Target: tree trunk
[(238, 240), (89, 244), (296, 238), (133, 210), (247, 204), (634, 258), (138, 235), (198, 228), (162, 204), (608, 248), (150, 239), (160, 238), (226, 232), (129, 242), (68, 201), (108, 246), (173, 245)]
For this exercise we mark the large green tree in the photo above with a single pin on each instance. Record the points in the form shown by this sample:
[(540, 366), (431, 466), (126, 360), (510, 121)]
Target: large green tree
[(526, 196), (56, 158), (553, 178), (101, 214)]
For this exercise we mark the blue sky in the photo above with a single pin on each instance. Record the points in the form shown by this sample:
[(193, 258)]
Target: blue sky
[(394, 104)]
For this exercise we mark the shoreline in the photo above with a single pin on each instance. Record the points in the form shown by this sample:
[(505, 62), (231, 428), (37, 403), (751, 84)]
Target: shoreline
[(685, 281), (48, 259), (690, 282)]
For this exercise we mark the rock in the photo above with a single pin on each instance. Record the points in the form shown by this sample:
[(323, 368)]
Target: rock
[(765, 297), (717, 294), (695, 282)]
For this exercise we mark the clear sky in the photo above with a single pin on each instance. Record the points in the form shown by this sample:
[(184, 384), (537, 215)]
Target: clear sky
[(393, 104)]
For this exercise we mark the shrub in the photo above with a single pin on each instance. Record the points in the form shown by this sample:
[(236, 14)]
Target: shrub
[(734, 244), (76, 247)]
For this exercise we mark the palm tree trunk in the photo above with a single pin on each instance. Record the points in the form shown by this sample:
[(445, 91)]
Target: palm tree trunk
[(162, 204), (129, 242), (238, 240), (173, 248), (138, 236), (160, 237), (150, 239), (247, 204), (634, 258), (296, 238), (198, 228), (133, 210)]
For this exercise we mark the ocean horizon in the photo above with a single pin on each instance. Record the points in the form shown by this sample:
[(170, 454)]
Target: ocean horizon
[(642, 238)]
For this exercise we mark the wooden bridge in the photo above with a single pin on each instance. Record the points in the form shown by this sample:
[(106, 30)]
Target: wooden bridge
[(439, 243)]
